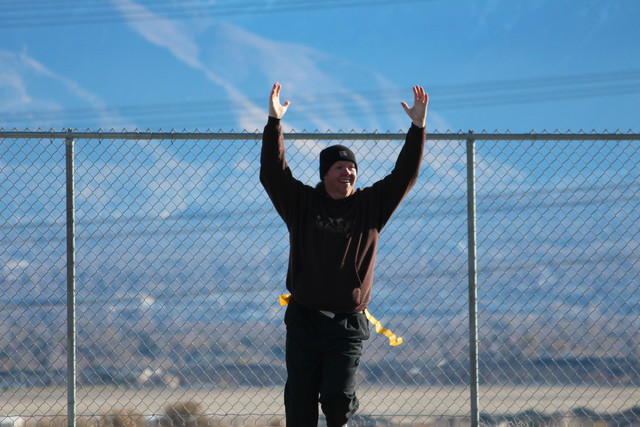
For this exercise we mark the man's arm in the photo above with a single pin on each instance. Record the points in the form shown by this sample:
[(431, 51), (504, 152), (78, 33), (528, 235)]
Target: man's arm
[(395, 186), (405, 172), (275, 174)]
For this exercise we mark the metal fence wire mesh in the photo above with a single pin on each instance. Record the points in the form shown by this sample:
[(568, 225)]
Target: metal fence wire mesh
[(180, 259)]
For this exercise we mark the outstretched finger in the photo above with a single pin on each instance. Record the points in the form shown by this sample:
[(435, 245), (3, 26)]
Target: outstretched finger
[(278, 87), (419, 93)]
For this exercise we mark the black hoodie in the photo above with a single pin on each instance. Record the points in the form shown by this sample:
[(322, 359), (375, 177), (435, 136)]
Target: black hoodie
[(333, 243)]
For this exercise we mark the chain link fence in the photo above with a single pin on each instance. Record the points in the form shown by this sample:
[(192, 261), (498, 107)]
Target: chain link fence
[(171, 314)]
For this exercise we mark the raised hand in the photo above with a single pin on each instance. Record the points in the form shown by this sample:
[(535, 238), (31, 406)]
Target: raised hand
[(418, 112), (276, 109)]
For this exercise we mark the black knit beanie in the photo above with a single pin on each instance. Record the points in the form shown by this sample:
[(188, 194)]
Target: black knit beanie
[(332, 154)]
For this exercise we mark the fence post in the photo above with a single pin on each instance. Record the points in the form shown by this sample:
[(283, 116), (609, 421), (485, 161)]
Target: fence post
[(71, 283), (473, 284)]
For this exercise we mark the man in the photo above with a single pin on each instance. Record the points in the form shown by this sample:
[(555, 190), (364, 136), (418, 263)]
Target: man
[(333, 236)]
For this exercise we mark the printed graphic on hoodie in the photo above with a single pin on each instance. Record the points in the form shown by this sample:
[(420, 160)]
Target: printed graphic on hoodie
[(334, 225)]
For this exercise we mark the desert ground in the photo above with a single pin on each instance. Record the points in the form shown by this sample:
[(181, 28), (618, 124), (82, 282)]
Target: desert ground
[(255, 406)]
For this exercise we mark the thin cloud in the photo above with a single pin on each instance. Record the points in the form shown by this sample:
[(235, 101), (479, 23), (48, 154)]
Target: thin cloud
[(240, 61), (161, 32), (165, 33), (298, 67), (15, 69), (12, 85), (18, 69)]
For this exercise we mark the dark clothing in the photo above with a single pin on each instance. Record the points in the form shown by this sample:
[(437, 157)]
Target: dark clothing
[(323, 355), (333, 242), (331, 261)]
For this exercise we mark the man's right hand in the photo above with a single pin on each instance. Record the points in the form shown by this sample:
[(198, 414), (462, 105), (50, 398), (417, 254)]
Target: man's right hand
[(277, 110)]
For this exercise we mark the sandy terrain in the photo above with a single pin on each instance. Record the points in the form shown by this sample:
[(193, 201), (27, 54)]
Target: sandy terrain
[(261, 404)]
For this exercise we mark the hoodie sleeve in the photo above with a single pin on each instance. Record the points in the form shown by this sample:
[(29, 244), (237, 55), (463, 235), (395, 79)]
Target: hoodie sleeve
[(392, 189), (275, 174)]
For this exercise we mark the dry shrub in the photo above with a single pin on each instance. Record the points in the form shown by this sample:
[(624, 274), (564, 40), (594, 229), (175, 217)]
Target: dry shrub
[(187, 414), (183, 414), (125, 417)]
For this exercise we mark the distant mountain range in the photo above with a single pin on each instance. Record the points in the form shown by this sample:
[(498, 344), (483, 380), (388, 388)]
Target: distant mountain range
[(177, 243)]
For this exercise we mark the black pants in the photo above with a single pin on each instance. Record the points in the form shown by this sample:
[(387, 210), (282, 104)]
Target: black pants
[(322, 356)]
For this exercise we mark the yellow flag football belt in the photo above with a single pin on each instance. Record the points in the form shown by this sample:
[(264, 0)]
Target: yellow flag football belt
[(393, 339)]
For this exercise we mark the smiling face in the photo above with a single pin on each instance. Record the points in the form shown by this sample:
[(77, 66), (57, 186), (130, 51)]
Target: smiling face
[(340, 179)]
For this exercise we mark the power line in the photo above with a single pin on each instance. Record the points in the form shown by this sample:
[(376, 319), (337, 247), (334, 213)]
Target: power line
[(67, 13), (444, 97), (58, 5), (527, 98)]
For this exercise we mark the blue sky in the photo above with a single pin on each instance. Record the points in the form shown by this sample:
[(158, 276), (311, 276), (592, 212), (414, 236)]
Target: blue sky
[(345, 65)]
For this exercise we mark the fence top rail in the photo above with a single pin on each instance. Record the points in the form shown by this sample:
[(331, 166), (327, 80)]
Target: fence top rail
[(343, 136)]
